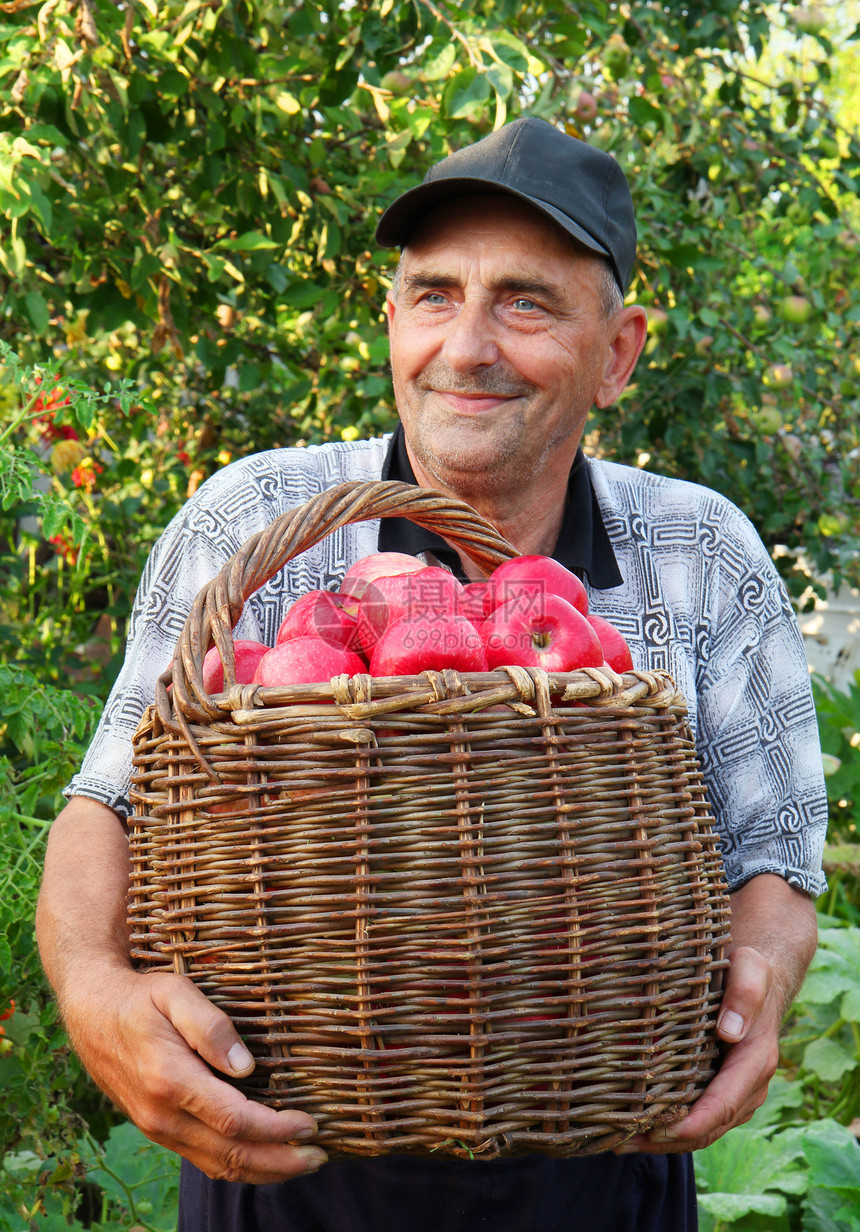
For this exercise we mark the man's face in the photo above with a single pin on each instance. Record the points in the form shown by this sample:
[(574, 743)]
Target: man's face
[(500, 345)]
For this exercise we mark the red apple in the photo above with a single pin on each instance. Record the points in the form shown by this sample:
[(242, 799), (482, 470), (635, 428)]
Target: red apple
[(319, 613), (475, 595), (428, 643), (428, 592), (616, 652), (586, 107), (379, 564), (551, 634), (307, 660), (247, 654), (525, 578)]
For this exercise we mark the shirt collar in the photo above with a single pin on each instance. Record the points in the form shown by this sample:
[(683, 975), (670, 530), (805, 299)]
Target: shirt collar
[(583, 543)]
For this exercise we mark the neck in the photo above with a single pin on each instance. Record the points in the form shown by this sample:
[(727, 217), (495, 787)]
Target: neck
[(529, 517)]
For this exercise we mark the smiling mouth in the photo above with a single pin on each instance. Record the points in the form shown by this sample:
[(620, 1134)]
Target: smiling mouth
[(473, 403), (497, 392), (474, 393)]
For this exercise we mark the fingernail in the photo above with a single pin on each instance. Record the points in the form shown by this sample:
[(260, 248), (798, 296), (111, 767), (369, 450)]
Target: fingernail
[(731, 1025), (663, 1135), (312, 1157), (239, 1058), (307, 1132)]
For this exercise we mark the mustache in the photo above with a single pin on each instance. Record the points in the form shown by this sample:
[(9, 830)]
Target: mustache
[(495, 380)]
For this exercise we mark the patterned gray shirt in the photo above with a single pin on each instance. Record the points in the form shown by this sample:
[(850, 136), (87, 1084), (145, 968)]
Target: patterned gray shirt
[(700, 599)]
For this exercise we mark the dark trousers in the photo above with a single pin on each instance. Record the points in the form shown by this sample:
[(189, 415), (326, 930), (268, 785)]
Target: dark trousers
[(600, 1193)]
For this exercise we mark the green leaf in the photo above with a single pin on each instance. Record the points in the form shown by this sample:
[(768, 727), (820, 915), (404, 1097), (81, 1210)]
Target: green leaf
[(18, 470), (828, 1060), (833, 970), (731, 1207), (420, 121), (135, 1171), (249, 377), (396, 147), (172, 85), (37, 310), (824, 1210), (783, 1097), (135, 132), (277, 278), (684, 256), (510, 51), (501, 79), (251, 241), (468, 90), (215, 266), (824, 983), (643, 112), (842, 941), (216, 137), (748, 1166), (42, 208), (439, 67), (833, 1155), (849, 1008)]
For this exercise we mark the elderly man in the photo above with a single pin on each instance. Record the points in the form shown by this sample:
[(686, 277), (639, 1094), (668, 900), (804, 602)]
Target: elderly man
[(507, 324)]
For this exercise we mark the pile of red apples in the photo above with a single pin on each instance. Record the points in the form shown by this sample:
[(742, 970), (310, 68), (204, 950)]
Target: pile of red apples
[(396, 616)]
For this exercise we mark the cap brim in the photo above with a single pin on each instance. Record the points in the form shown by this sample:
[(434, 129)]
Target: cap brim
[(404, 215)]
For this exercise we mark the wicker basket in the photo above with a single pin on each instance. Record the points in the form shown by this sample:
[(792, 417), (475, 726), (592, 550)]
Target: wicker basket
[(468, 914)]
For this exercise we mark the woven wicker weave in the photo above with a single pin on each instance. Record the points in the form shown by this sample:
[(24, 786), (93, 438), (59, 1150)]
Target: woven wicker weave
[(474, 915)]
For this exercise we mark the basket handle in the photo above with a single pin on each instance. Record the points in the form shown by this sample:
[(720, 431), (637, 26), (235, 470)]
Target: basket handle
[(220, 603)]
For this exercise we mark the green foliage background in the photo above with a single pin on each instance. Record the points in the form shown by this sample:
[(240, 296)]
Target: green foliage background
[(190, 192), (188, 195)]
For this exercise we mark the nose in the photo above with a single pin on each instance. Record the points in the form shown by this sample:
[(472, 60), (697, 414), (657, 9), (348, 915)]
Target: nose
[(470, 340)]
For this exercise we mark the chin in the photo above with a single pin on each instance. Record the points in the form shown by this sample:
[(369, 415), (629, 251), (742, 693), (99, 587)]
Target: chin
[(477, 471), (479, 460)]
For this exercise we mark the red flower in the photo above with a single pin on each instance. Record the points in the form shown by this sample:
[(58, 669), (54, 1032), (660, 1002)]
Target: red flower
[(49, 404), (65, 548), (52, 401), (84, 474)]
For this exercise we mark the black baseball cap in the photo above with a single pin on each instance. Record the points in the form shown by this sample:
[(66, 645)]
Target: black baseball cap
[(578, 186)]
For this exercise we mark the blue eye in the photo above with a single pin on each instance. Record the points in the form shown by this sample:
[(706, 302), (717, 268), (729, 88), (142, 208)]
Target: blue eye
[(522, 304)]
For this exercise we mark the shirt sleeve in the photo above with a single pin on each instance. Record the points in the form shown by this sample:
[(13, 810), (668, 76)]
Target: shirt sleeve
[(757, 728), (188, 555)]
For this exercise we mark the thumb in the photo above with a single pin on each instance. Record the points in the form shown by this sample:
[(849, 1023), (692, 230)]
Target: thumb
[(747, 988), (201, 1024)]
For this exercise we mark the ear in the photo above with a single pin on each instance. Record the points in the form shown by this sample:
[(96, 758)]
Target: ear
[(627, 340), (390, 307)]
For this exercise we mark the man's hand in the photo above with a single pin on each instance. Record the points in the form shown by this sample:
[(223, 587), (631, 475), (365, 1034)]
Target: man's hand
[(774, 934), (155, 1034), (148, 1040)]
